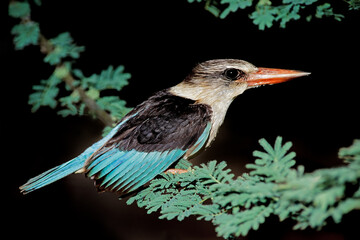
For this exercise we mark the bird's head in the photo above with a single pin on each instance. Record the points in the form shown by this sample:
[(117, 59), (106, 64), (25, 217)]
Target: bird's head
[(224, 79)]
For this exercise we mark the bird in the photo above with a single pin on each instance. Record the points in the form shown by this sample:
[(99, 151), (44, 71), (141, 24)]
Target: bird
[(172, 124)]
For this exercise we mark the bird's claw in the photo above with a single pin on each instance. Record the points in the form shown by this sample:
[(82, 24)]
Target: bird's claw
[(176, 171)]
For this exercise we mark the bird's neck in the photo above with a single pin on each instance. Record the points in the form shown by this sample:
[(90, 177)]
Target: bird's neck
[(219, 101)]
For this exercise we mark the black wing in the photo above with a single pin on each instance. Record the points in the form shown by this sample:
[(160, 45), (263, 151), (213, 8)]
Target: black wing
[(163, 122)]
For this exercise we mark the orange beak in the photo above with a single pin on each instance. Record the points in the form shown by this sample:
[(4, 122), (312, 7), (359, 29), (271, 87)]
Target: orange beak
[(266, 76)]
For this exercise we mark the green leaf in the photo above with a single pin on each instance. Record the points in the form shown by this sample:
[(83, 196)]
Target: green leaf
[(235, 207), (351, 153), (25, 34), (183, 164), (45, 93), (242, 223), (275, 164), (37, 2), (353, 4), (328, 197), (233, 6), (267, 12), (114, 105), (19, 9), (326, 10), (62, 47), (70, 102), (345, 207), (108, 79), (287, 13)]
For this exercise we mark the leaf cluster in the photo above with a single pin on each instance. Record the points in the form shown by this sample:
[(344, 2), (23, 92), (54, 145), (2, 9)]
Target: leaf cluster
[(353, 4), (266, 12), (68, 87), (109, 79), (27, 32), (272, 187), (62, 47)]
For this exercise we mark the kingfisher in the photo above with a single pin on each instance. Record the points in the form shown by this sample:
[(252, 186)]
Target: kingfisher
[(173, 124)]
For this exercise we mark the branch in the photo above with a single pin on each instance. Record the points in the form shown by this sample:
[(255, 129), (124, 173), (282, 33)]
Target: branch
[(46, 47), (102, 115), (28, 33)]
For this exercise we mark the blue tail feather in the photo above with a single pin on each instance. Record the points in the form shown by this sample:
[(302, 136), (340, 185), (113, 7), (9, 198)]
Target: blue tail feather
[(52, 175), (67, 168)]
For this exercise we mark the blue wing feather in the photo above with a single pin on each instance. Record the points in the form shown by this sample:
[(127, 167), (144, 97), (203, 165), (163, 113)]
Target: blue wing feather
[(104, 161), (136, 178), (110, 167), (115, 169), (115, 186), (114, 158), (138, 170), (120, 171), (202, 139), (155, 169), (133, 166)]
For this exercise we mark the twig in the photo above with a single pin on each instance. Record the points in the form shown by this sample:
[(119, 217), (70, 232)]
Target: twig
[(46, 47), (102, 115)]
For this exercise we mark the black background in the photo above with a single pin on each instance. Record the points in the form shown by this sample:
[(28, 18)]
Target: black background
[(159, 42)]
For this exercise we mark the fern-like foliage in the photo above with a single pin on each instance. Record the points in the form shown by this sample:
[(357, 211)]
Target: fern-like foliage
[(181, 195), (272, 187), (266, 12), (62, 46), (108, 79), (353, 4), (83, 94), (27, 32), (45, 93)]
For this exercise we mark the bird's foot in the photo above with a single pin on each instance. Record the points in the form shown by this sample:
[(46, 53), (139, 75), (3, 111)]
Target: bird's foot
[(176, 171)]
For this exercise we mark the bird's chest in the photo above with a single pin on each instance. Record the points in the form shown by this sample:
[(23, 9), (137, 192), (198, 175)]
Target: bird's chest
[(219, 110)]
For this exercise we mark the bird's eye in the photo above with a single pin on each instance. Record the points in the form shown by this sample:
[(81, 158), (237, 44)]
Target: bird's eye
[(233, 73)]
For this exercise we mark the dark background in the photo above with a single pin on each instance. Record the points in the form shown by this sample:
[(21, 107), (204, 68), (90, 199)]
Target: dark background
[(159, 42)]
